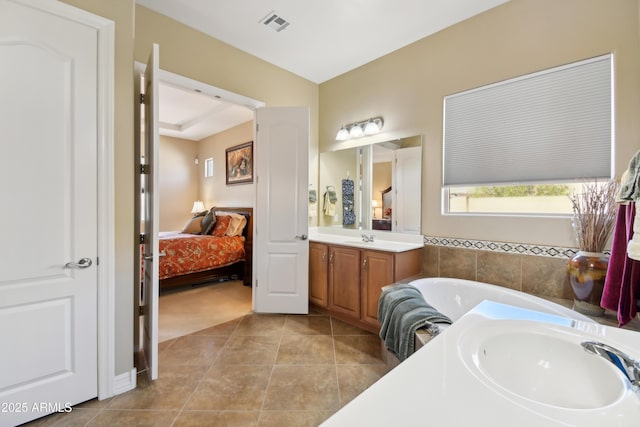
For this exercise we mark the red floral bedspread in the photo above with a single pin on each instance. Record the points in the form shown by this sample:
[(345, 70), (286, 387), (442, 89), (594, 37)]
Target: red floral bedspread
[(188, 253)]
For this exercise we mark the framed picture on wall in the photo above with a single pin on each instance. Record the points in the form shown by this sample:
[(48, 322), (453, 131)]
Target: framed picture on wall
[(239, 161)]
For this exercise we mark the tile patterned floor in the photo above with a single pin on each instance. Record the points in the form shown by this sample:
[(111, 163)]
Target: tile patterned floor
[(258, 370)]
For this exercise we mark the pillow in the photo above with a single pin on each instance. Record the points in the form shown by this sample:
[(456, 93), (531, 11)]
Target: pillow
[(208, 222), (221, 225), (193, 226), (238, 222)]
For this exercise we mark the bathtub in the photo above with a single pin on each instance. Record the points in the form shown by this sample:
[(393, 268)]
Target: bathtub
[(455, 297)]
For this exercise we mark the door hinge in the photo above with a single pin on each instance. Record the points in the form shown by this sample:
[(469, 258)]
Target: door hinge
[(142, 99), (256, 283), (141, 310), (144, 169), (257, 127), (141, 239)]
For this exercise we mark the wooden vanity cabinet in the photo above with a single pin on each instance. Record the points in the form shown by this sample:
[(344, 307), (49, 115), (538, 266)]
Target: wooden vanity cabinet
[(377, 271), (319, 274), (348, 281), (344, 281)]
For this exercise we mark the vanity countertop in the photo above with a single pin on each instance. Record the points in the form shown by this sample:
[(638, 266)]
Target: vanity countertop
[(387, 242), (436, 385)]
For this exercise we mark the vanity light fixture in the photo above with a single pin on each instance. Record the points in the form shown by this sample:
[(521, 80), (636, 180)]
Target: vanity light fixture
[(360, 129), (343, 134), (356, 131)]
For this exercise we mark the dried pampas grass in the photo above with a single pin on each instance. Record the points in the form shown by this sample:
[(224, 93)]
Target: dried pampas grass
[(594, 214)]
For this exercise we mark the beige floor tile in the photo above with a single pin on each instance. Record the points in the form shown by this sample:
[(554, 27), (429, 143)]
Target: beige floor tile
[(223, 329), (231, 387), (133, 418), (261, 324), (250, 350), (354, 379), (302, 388), (293, 418), (306, 350), (75, 418), (93, 404), (193, 350), (358, 349), (307, 325), (170, 391), (341, 328), (217, 419), (248, 370)]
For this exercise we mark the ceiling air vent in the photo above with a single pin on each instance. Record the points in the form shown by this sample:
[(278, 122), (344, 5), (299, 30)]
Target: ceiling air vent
[(273, 20)]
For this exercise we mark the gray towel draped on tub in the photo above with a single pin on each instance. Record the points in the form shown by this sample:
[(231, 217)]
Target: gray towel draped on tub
[(402, 310)]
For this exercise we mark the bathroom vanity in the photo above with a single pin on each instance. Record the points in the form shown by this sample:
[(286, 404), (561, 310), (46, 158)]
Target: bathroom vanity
[(346, 274)]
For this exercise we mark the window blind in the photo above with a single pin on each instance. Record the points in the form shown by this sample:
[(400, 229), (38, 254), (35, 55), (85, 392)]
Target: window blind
[(550, 126)]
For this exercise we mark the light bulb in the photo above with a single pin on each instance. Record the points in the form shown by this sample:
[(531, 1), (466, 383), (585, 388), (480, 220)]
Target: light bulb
[(356, 131), (342, 135)]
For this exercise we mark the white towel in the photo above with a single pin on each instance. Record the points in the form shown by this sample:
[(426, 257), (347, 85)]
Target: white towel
[(328, 207)]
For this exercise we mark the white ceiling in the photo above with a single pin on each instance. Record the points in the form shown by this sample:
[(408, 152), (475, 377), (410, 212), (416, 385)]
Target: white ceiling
[(323, 39), (188, 114)]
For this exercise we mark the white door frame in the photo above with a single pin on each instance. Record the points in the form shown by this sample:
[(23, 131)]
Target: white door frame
[(106, 208), (108, 384)]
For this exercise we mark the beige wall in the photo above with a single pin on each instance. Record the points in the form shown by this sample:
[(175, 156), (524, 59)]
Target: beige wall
[(517, 38), (193, 54), (214, 191), (407, 87), (178, 180)]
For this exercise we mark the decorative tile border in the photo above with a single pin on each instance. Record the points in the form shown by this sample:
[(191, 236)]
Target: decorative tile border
[(512, 248)]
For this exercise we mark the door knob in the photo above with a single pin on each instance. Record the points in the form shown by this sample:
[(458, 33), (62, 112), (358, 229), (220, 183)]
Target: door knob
[(83, 263), (303, 237)]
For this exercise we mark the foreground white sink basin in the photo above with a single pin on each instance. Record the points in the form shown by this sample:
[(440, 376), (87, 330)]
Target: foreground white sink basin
[(544, 366)]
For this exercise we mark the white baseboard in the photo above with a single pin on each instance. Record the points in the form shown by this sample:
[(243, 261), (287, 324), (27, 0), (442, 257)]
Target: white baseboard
[(124, 382)]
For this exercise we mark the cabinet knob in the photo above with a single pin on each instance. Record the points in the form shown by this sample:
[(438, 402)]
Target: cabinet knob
[(364, 264), (331, 258)]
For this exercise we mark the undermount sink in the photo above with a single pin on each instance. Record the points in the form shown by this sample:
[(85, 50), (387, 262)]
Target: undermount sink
[(546, 367), (358, 242)]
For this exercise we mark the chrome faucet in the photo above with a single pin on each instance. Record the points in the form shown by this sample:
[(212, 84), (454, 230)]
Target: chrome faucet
[(369, 238), (625, 363)]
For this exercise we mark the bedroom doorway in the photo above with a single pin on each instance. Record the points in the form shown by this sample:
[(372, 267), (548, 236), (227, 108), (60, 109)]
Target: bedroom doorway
[(199, 122)]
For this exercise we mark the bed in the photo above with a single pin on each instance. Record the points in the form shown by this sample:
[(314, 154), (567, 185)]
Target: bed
[(193, 259)]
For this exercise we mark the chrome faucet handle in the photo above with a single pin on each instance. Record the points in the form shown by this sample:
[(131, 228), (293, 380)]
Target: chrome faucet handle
[(371, 237), (365, 238), (625, 363)]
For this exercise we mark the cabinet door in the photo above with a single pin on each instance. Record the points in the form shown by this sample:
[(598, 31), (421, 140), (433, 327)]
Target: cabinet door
[(318, 274), (377, 271), (344, 281)]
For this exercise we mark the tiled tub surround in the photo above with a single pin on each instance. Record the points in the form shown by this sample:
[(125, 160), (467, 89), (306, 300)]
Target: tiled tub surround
[(533, 269)]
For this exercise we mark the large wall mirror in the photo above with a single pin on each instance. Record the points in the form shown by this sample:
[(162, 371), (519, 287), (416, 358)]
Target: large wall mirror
[(373, 187)]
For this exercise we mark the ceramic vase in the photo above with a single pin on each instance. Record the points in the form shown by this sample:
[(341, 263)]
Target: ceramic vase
[(587, 272)]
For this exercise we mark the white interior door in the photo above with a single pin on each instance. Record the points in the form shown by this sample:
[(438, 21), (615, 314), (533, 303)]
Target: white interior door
[(407, 190), (152, 203), (48, 222), (281, 251)]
